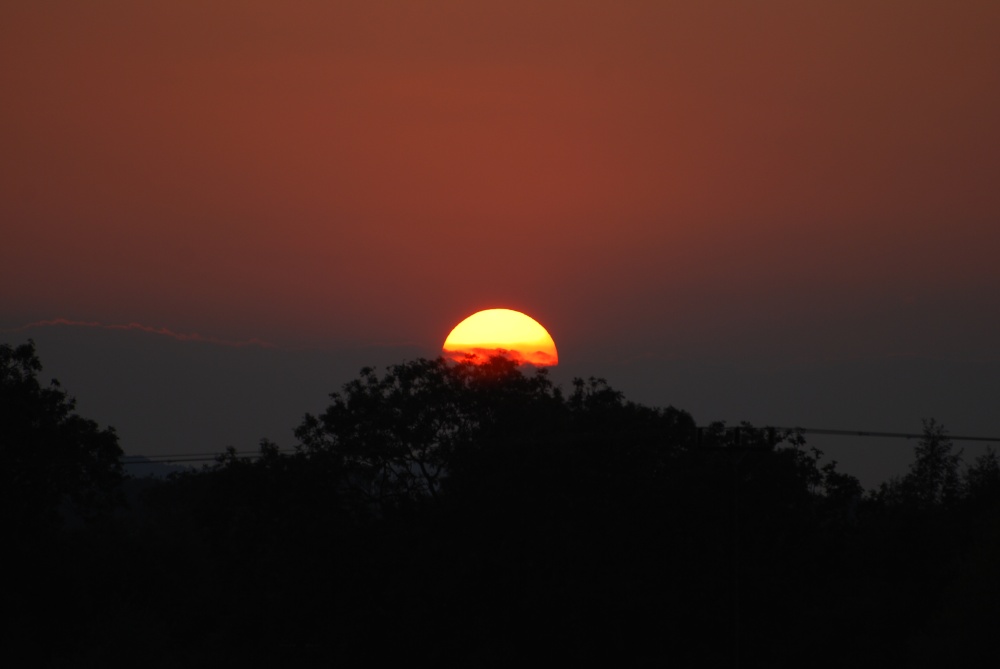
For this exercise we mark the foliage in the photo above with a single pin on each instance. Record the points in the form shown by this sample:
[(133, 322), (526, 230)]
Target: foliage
[(933, 479), (982, 479), (49, 455), (395, 436), (480, 513), (428, 426)]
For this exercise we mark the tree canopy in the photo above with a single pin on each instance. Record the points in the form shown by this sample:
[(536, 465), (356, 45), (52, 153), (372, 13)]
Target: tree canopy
[(51, 458), (480, 513), (425, 427)]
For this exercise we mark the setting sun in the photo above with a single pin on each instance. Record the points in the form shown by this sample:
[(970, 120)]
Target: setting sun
[(505, 332)]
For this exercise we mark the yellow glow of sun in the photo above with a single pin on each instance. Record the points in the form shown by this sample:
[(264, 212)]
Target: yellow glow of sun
[(506, 332)]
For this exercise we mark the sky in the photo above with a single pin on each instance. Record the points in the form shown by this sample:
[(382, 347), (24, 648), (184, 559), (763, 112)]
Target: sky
[(775, 211)]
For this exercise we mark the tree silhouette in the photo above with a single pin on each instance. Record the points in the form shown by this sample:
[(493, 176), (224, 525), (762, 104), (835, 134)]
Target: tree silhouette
[(54, 466), (982, 479), (50, 457), (395, 436), (478, 513), (933, 479)]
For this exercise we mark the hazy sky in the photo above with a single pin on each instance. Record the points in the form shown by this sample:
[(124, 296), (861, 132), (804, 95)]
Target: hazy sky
[(768, 183)]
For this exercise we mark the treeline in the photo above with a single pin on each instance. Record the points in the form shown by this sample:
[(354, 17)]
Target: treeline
[(479, 515)]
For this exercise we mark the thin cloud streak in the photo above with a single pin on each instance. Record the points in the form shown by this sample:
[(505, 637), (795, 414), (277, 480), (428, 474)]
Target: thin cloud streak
[(165, 332)]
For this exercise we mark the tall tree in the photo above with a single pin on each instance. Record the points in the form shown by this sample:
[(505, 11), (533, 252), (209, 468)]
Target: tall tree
[(51, 458), (394, 435), (933, 478)]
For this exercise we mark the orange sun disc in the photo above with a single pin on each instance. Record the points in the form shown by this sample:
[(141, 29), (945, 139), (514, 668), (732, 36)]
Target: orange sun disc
[(505, 332)]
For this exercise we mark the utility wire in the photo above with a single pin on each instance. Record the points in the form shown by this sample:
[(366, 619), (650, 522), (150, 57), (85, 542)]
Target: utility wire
[(864, 433), (192, 457), (133, 460)]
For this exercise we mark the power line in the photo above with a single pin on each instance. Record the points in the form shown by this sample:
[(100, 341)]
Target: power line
[(132, 460), (192, 457), (865, 433)]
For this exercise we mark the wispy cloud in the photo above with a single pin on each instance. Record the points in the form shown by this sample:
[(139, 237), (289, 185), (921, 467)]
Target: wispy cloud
[(480, 355), (164, 332)]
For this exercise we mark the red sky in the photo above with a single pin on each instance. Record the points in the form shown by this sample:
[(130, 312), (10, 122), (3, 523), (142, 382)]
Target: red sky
[(777, 178)]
